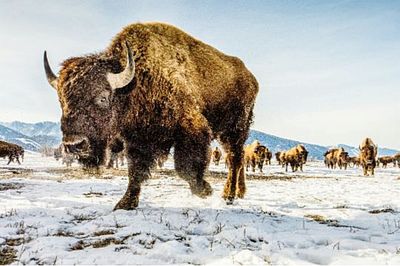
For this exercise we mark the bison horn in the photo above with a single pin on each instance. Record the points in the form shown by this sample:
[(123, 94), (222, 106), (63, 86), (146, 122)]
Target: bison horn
[(51, 78), (123, 78)]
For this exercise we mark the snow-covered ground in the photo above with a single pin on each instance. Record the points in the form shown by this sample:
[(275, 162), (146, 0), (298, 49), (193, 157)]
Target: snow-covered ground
[(52, 215)]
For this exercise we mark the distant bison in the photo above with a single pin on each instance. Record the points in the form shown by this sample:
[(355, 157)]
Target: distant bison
[(296, 157), (355, 160), (368, 151), (385, 160), (336, 157), (254, 155), (11, 151), (268, 157), (157, 88), (216, 155), (397, 159), (278, 157)]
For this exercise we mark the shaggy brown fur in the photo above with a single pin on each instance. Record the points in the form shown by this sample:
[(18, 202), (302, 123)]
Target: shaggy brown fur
[(354, 160), (368, 151), (183, 94), (254, 155), (116, 153), (161, 160), (296, 157), (336, 157), (278, 157), (385, 160), (268, 157), (216, 155), (58, 153), (12, 151), (397, 159)]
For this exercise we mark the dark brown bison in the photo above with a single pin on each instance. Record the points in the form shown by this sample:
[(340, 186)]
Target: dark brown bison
[(385, 160), (116, 153), (11, 151), (216, 155), (268, 157), (161, 160), (397, 159), (58, 153), (278, 157), (354, 160), (368, 151), (157, 87)]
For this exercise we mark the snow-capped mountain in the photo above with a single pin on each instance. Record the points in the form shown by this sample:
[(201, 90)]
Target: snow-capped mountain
[(42, 133), (49, 134), (45, 128), (9, 135)]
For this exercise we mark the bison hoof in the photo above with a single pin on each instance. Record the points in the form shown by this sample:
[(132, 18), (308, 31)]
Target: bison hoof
[(126, 204), (240, 193), (203, 190), (229, 200)]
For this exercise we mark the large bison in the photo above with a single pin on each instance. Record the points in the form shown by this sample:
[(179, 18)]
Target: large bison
[(368, 151), (157, 87), (11, 151)]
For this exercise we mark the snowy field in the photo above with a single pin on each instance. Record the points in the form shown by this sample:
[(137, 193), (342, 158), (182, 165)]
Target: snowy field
[(53, 215)]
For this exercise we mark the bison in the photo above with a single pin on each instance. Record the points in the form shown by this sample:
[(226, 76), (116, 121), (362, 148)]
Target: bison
[(157, 87), (385, 160), (355, 160), (254, 155), (216, 155), (268, 157), (115, 153), (12, 151), (296, 157), (161, 160), (278, 157), (368, 151), (397, 159), (336, 157)]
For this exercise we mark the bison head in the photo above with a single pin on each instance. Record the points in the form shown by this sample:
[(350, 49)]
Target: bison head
[(87, 88)]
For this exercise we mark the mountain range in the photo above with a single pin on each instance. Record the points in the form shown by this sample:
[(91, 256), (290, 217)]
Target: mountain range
[(34, 136)]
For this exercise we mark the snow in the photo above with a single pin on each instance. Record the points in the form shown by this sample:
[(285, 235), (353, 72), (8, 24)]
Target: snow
[(64, 216)]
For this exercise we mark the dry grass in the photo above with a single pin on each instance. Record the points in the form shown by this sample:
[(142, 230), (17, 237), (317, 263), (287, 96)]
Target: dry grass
[(386, 210), (7, 255), (104, 232), (8, 186)]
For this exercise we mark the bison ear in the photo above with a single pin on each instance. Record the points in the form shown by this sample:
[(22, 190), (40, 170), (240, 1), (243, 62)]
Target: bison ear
[(120, 80)]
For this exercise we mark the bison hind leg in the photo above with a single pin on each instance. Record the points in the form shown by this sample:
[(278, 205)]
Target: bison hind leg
[(191, 159)]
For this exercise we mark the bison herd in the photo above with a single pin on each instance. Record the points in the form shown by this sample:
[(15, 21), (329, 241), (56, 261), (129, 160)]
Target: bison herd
[(257, 155)]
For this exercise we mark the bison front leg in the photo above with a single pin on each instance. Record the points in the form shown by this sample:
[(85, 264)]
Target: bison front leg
[(138, 171)]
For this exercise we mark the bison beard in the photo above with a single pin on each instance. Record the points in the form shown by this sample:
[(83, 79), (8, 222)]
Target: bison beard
[(175, 92)]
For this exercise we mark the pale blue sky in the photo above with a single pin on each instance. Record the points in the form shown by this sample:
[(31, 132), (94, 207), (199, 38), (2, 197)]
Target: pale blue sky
[(329, 71)]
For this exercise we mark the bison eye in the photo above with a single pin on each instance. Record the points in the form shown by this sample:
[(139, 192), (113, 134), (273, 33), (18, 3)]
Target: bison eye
[(102, 101)]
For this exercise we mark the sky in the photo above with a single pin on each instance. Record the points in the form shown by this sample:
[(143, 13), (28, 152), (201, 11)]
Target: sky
[(328, 71)]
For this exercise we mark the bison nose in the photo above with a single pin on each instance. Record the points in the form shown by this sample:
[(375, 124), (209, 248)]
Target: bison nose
[(79, 147)]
